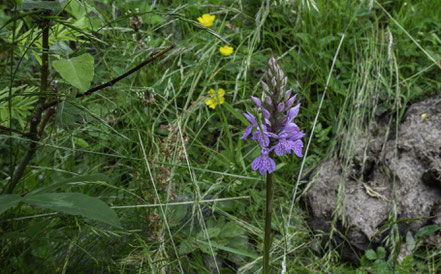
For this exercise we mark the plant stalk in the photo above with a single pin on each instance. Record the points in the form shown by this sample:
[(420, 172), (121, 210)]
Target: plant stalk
[(35, 117), (268, 215)]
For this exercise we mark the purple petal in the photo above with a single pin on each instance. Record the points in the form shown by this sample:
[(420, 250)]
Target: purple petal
[(288, 94), (267, 121), (290, 101), (256, 163), (264, 164), (283, 135), (297, 148), (292, 113), (263, 140), (250, 118), (291, 128), (279, 149), (296, 135), (265, 151), (280, 107), (247, 132), (272, 165), (266, 113), (256, 101)]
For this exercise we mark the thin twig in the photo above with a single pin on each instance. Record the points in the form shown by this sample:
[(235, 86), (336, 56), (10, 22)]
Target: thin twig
[(150, 59), (138, 67), (13, 130)]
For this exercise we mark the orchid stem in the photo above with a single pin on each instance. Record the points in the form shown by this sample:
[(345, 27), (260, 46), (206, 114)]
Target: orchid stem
[(268, 214)]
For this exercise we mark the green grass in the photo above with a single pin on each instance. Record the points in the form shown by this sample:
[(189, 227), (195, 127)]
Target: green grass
[(153, 135)]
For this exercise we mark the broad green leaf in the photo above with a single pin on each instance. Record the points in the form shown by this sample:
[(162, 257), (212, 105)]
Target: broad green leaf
[(8, 200), (46, 5), (156, 19), (371, 255), (76, 9), (187, 246), (236, 114), (229, 249), (381, 253), (67, 115), (427, 230), (230, 230), (61, 48), (98, 177), (78, 71), (211, 232), (75, 204)]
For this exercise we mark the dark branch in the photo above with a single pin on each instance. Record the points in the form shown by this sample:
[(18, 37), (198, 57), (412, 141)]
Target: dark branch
[(138, 67), (150, 59), (13, 130), (35, 116)]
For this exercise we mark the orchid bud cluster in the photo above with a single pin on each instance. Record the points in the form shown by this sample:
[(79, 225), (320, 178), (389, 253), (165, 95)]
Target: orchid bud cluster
[(276, 130)]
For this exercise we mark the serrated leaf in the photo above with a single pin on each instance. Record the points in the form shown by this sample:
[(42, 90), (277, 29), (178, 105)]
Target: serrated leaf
[(77, 71), (371, 255), (8, 200), (75, 204)]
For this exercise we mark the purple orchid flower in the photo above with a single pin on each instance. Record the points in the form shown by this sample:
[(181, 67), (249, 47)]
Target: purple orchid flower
[(264, 163), (276, 131), (253, 123)]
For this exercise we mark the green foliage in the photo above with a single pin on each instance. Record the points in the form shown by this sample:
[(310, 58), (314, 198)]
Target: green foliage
[(189, 150), (77, 71), (28, 5), (8, 200), (21, 104), (75, 204), (70, 203)]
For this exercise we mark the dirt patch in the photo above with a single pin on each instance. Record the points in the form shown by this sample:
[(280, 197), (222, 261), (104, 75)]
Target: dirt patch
[(406, 169)]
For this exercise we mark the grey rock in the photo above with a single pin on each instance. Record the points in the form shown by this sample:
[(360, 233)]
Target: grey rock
[(361, 195)]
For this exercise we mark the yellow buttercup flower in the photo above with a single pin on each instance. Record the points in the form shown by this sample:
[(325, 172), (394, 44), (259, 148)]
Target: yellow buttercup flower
[(215, 98), (226, 50), (206, 20), (424, 116)]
